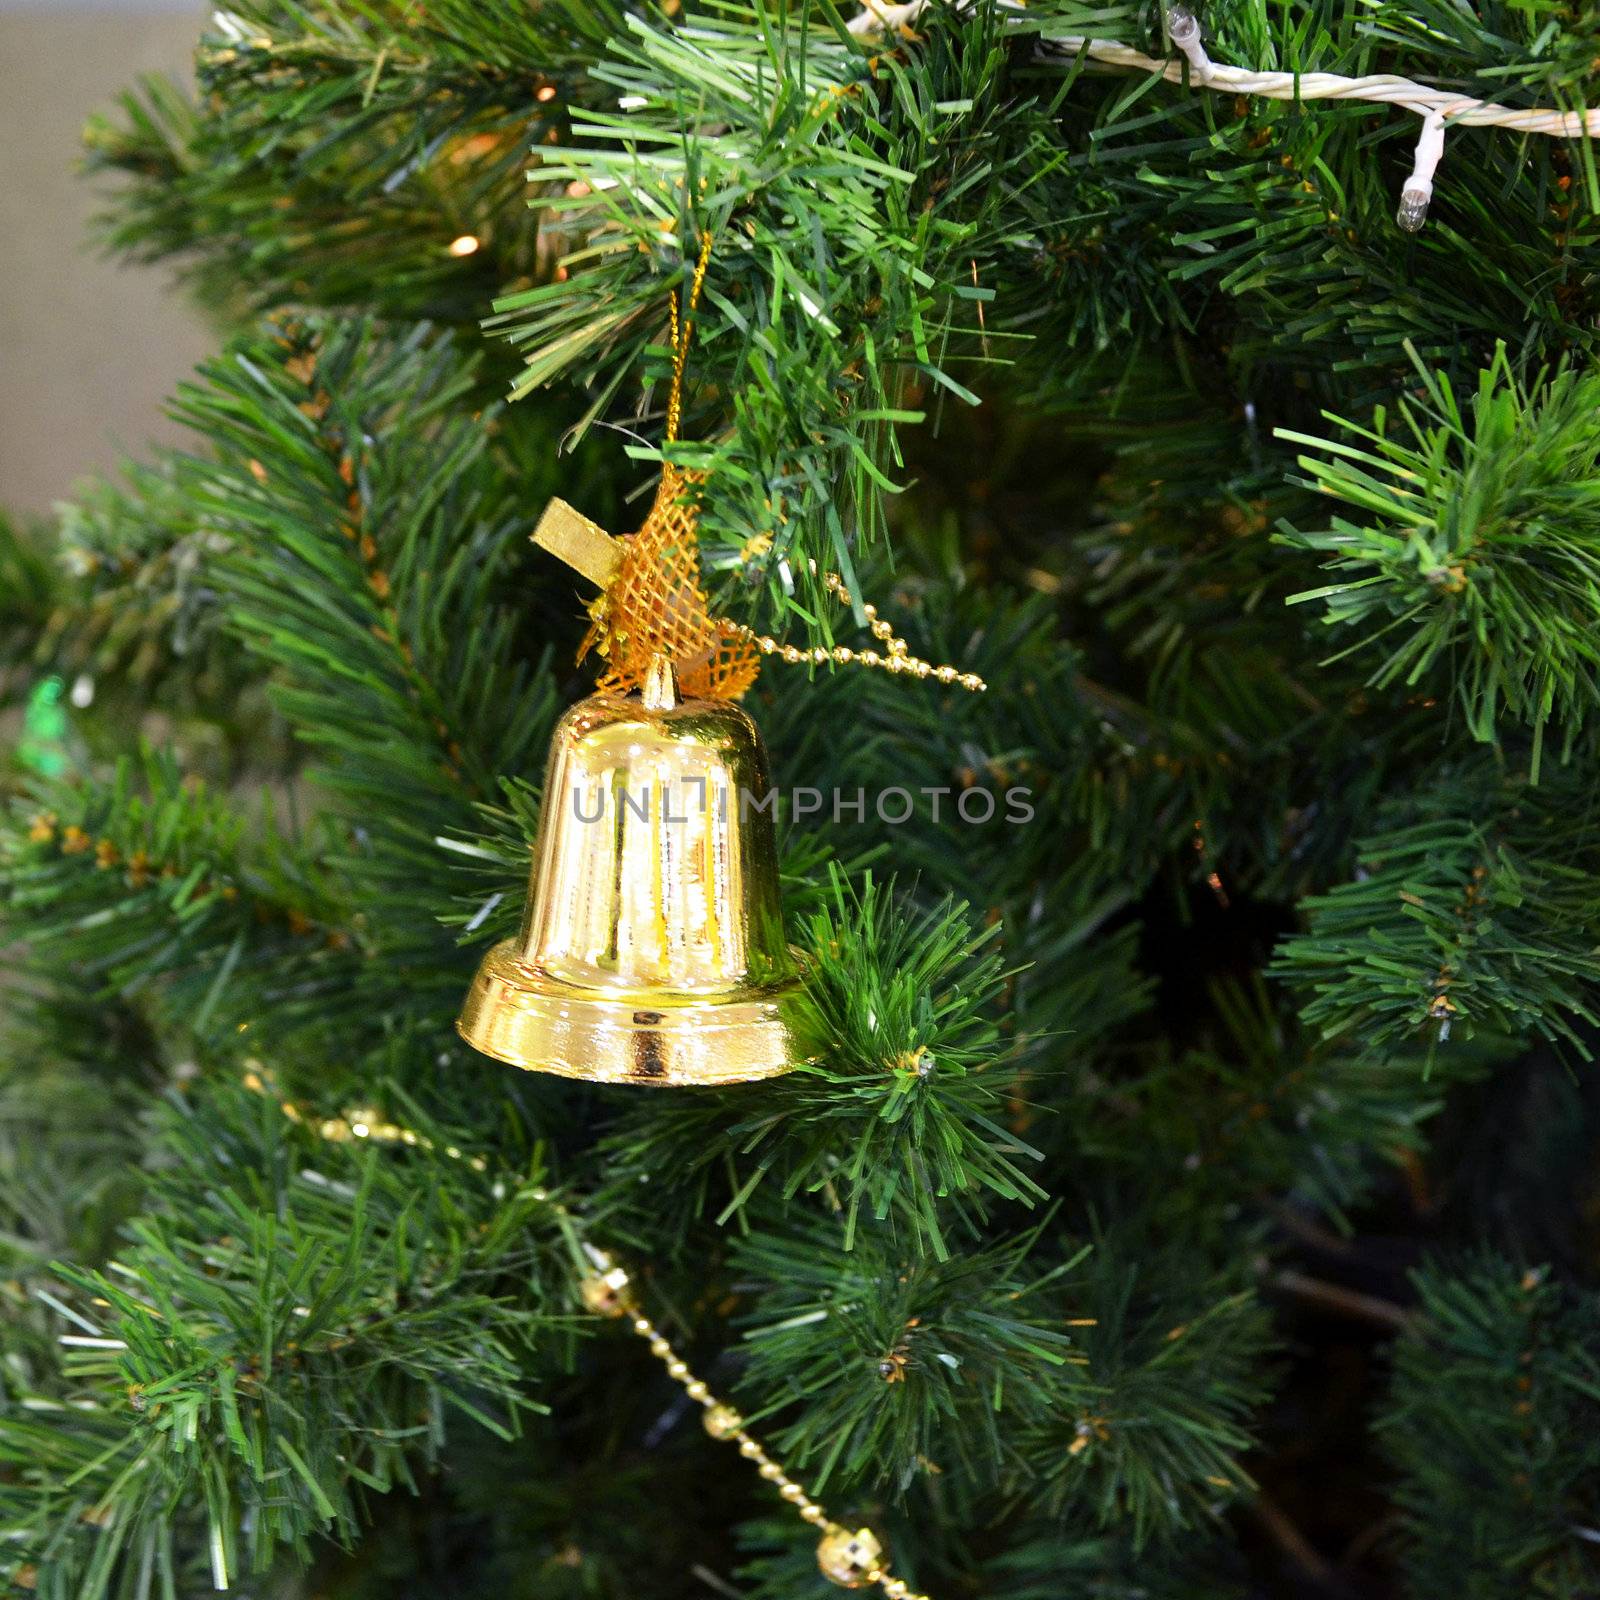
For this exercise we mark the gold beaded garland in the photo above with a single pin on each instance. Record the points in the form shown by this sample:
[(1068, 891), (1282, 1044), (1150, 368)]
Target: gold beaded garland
[(604, 1292), (722, 1421), (849, 1559), (898, 660)]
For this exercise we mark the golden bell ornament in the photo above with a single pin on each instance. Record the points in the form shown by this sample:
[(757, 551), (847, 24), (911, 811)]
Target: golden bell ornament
[(652, 950)]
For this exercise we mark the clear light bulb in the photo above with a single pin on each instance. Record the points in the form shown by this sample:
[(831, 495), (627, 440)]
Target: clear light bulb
[(1413, 210)]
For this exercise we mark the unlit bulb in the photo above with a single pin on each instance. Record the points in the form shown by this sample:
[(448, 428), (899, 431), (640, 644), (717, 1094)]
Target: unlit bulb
[(1183, 27), (1418, 190), (1413, 210)]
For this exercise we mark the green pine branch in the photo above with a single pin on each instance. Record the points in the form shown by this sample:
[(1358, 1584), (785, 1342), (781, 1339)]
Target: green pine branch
[(1493, 1425), (901, 1367), (1474, 910), (899, 1110), (1475, 574), (271, 1348), (1177, 1362), (145, 885)]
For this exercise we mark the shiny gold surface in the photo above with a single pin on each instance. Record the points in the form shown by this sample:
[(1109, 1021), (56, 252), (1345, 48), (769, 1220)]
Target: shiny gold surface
[(652, 950), (851, 1559)]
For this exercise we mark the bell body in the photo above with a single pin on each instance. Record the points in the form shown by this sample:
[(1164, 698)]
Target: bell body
[(652, 950)]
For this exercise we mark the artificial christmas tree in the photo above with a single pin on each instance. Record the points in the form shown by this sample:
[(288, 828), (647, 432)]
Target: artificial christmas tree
[(1182, 1185)]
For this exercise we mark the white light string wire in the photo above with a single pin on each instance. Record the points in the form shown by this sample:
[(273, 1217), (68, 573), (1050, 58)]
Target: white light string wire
[(1436, 107)]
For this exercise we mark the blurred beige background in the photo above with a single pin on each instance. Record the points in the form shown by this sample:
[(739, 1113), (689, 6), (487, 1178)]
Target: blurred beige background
[(88, 350)]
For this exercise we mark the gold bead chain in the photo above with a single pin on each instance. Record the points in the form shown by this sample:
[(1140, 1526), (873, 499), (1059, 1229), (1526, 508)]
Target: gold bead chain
[(850, 1558), (897, 659)]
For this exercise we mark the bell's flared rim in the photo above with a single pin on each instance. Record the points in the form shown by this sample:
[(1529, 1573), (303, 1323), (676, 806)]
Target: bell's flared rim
[(656, 1037)]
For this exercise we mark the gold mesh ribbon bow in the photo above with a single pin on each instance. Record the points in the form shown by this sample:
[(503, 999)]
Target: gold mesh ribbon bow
[(654, 604), (651, 603)]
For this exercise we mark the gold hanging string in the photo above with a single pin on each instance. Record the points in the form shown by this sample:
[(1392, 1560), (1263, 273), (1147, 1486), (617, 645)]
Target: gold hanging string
[(653, 604), (852, 1558), (651, 601), (681, 335)]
